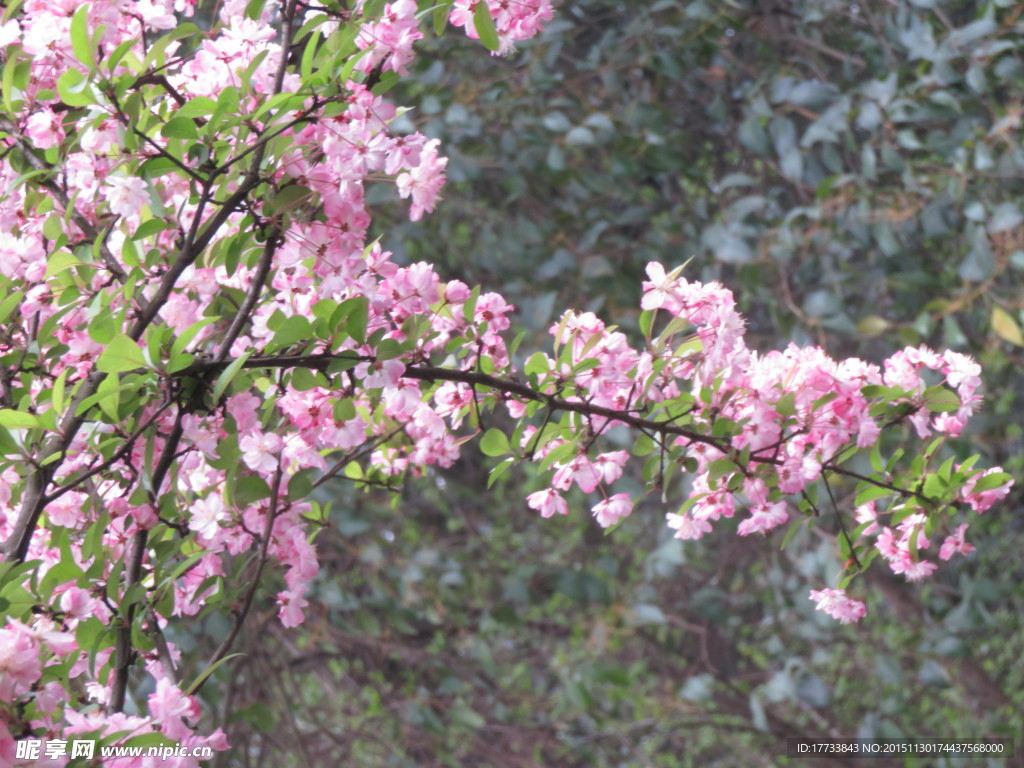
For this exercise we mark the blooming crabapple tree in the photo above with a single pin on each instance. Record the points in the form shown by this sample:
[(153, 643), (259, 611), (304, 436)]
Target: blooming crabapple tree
[(197, 332)]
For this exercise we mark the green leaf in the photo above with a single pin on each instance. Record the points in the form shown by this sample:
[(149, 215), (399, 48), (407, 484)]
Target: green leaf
[(876, 457), (870, 494), (249, 489), (386, 82), (304, 379), (57, 394), (646, 323), (8, 304), (494, 443), (793, 528), (358, 317), (190, 333), (59, 261), (73, 88), (154, 739), (254, 9), (308, 53), (991, 482), (181, 567), (179, 128), (786, 406), (1006, 327), (644, 446), (718, 468), (228, 375), (292, 331), (441, 13), (209, 671), (80, 35), (502, 467), (18, 419), (121, 354), (103, 328), (934, 487), (537, 363), (484, 23), (108, 394), (8, 89), (940, 399)]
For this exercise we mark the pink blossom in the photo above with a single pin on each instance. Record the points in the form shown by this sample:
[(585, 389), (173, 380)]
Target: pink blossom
[(886, 545), (244, 409), (983, 500), (260, 451), (345, 435), (547, 502), (962, 373), (126, 196), (292, 605), (391, 38), (77, 603), (579, 470), (299, 454), (19, 661), (44, 129), (687, 526), (82, 354), (380, 373), (659, 292), (836, 604), (423, 183), (491, 308), (169, 701), (866, 513), (10, 32), (456, 292), (913, 570), (609, 466), (609, 511), (207, 515), (955, 544), (171, 708), (763, 518)]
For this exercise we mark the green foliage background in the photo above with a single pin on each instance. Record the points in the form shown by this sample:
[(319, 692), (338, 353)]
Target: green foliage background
[(854, 173)]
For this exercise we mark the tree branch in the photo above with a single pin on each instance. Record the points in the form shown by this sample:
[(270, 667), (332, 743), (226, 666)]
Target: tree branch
[(509, 386), (258, 282), (133, 573)]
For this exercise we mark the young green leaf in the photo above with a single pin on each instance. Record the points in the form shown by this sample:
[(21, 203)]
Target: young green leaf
[(494, 443), (484, 23)]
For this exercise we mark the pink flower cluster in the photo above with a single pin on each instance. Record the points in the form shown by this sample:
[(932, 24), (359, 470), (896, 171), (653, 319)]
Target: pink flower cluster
[(902, 548), (792, 414), (514, 20), (390, 40), (836, 604)]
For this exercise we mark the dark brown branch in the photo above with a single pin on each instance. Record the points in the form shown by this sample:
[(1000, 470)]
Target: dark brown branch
[(509, 386), (258, 282), (133, 573)]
